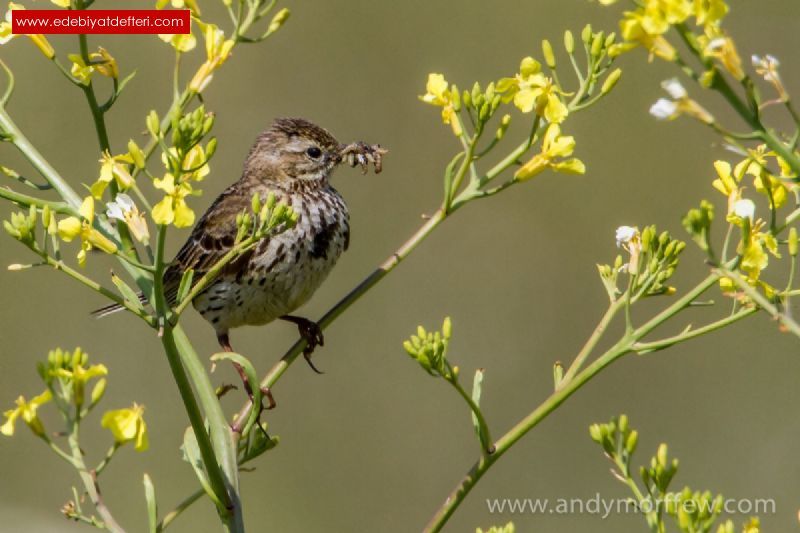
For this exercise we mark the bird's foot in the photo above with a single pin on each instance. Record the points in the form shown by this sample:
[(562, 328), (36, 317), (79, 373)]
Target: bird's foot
[(311, 333)]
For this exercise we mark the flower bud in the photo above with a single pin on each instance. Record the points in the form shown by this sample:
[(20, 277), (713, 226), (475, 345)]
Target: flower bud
[(153, 125), (136, 154), (596, 432), (278, 20), (501, 130), (661, 455), (793, 242), (631, 442), (610, 81), (597, 44), (409, 347), (467, 98), (455, 98), (447, 328), (547, 53), (558, 374), (569, 42), (98, 391), (586, 34)]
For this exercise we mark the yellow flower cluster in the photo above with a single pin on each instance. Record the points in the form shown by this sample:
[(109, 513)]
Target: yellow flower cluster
[(756, 244), (646, 26), (81, 228), (531, 90), (439, 94), (218, 49), (172, 209)]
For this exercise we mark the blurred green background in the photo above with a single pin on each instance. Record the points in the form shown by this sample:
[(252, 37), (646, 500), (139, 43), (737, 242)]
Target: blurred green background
[(374, 444)]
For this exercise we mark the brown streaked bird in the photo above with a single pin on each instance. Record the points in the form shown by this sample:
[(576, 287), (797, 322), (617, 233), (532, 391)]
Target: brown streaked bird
[(293, 159)]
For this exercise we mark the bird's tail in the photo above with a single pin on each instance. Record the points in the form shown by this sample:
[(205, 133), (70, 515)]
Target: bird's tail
[(113, 308)]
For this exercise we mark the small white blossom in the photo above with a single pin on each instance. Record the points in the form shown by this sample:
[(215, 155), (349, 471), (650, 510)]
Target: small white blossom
[(744, 208), (674, 88), (625, 234), (767, 67), (123, 209), (715, 45), (664, 109)]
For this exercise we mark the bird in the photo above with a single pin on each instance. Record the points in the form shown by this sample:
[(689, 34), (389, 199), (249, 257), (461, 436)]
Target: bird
[(294, 160)]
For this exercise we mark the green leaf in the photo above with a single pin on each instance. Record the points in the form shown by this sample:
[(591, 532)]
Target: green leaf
[(477, 384), (185, 285), (127, 292), (191, 454), (152, 507), (124, 82)]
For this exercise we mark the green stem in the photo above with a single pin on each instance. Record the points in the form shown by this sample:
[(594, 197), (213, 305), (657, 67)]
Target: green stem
[(181, 507), (27, 201), (762, 301), (645, 347), (39, 163), (568, 387), (90, 480), (484, 435), (74, 274), (212, 443), (597, 334)]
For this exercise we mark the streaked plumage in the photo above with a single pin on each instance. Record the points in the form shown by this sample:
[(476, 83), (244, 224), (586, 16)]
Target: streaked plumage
[(293, 159)]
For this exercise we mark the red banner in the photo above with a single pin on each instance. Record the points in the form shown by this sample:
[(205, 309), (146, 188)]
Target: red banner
[(100, 21)]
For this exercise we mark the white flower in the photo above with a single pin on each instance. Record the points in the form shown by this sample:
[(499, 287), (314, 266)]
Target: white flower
[(767, 67), (744, 208), (664, 109), (625, 234), (123, 209), (674, 88)]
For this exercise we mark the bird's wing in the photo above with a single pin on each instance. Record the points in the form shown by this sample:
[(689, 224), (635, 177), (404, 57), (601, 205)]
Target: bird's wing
[(212, 238)]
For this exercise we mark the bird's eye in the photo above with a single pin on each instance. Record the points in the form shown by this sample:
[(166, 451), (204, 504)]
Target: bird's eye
[(314, 152)]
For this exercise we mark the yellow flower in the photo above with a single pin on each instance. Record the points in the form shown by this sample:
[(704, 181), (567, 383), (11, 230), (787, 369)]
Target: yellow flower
[(756, 165), (218, 49), (723, 49), (61, 3), (78, 377), (639, 28), (26, 410), (38, 39), (80, 70), (182, 42), (530, 89), (554, 145), (105, 63), (113, 168), (127, 425), (172, 208), (72, 227), (194, 165), (437, 93), (710, 12), (727, 183)]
